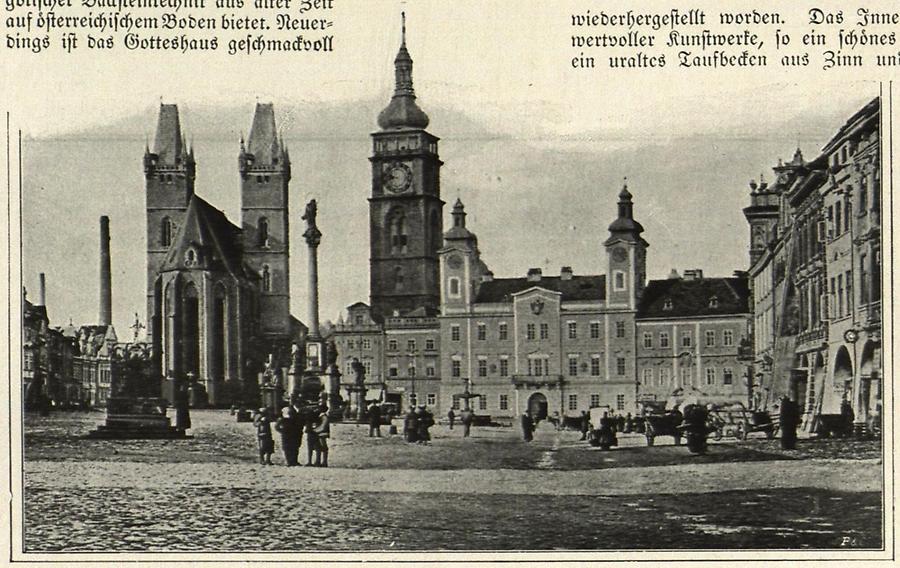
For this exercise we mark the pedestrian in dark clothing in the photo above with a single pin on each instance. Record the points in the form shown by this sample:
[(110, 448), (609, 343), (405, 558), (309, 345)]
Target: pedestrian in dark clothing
[(605, 436), (620, 423), (585, 424), (323, 432), (411, 426), (374, 420), (789, 417), (695, 427), (629, 423), (264, 441), (181, 401), (451, 416), (425, 421), (527, 427), (290, 429), (847, 418), (312, 439), (467, 417)]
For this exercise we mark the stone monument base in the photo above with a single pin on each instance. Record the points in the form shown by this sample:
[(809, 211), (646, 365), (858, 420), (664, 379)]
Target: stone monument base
[(137, 419)]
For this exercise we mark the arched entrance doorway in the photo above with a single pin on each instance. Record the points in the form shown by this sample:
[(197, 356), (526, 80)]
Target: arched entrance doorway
[(869, 391), (537, 406), (843, 370)]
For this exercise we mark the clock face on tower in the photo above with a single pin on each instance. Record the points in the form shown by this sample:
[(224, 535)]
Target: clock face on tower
[(619, 254), (398, 178), (454, 261)]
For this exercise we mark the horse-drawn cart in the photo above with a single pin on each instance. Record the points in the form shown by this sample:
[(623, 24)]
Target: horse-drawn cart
[(663, 425), (735, 420)]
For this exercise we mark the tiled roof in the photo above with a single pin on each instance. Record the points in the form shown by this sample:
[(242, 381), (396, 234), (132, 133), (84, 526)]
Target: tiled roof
[(578, 288), (694, 298)]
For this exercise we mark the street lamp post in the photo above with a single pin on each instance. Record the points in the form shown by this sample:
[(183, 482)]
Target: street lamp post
[(851, 336), (688, 356)]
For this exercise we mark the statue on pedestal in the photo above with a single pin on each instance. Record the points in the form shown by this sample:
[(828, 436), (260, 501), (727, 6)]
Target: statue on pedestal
[(296, 359), (312, 234), (359, 372), (268, 376)]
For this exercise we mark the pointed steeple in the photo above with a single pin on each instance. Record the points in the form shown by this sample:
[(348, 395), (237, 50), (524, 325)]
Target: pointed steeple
[(263, 140), (458, 230), (168, 145), (459, 214), (402, 111)]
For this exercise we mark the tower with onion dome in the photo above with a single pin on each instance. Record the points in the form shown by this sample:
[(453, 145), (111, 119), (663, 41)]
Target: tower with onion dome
[(405, 207)]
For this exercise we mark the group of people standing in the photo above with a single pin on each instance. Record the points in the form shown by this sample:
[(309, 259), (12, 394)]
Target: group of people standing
[(416, 424), (294, 422)]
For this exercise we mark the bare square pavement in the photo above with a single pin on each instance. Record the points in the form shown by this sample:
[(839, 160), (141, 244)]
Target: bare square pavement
[(489, 492)]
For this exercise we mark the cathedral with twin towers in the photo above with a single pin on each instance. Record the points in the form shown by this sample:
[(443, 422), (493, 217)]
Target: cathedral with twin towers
[(218, 294)]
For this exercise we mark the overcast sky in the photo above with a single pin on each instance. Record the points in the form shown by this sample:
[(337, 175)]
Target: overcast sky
[(536, 150)]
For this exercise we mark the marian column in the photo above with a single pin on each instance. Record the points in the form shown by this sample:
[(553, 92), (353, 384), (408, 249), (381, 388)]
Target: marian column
[(314, 345)]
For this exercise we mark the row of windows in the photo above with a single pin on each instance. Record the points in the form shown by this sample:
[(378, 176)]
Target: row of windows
[(430, 399), (595, 401), (411, 371), (687, 338), (537, 366), (531, 331), (363, 344), (481, 402), (411, 345), (649, 377), (367, 365)]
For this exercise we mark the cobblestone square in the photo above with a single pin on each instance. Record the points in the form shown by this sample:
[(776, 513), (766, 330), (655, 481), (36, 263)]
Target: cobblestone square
[(488, 492)]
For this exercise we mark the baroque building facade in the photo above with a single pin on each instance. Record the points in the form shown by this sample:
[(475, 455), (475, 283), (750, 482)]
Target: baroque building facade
[(545, 344), (690, 330), (815, 252)]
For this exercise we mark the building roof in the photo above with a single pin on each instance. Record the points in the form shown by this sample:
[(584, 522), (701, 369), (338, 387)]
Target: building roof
[(577, 288), (690, 298), (32, 311), (215, 238), (863, 116)]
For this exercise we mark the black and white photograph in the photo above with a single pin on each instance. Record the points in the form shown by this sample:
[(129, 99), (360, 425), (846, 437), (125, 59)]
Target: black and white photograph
[(432, 279)]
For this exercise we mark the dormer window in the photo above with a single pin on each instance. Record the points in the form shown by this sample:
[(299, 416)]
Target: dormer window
[(667, 304), (714, 302)]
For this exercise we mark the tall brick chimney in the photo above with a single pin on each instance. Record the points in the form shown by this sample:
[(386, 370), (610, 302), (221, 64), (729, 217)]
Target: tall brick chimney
[(42, 290), (105, 274)]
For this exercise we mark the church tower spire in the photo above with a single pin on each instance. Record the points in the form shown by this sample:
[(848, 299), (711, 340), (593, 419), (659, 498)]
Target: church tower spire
[(402, 111), (169, 172), (405, 209), (265, 172), (626, 253)]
